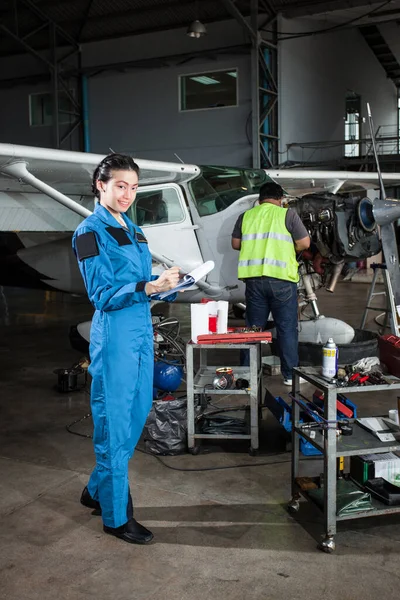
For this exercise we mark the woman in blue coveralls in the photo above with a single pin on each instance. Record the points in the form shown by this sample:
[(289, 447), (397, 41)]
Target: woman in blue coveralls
[(115, 263)]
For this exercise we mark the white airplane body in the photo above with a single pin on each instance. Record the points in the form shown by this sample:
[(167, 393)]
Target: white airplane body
[(45, 193)]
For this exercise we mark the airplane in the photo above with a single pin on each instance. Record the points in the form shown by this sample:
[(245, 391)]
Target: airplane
[(186, 211)]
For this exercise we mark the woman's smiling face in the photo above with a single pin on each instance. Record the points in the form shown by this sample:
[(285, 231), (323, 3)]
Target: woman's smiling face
[(119, 192)]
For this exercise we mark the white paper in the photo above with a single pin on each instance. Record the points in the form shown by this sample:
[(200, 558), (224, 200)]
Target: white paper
[(199, 320), (378, 427), (189, 279)]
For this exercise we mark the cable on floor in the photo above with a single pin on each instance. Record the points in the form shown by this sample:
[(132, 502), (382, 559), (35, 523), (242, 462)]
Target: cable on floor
[(193, 469), (260, 464)]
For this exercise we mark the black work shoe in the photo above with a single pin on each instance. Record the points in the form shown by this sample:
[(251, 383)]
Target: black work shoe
[(87, 500), (132, 532)]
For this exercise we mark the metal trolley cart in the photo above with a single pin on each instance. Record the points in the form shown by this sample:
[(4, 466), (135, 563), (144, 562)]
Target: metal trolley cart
[(198, 382), (360, 442)]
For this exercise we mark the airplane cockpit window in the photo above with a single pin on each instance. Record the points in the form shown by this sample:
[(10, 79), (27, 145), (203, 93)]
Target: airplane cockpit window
[(218, 187), (156, 207)]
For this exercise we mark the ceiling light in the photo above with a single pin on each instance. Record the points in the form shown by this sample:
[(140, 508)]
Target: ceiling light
[(204, 79), (196, 29)]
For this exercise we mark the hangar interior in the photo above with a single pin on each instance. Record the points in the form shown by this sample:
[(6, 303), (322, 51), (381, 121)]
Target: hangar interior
[(228, 91)]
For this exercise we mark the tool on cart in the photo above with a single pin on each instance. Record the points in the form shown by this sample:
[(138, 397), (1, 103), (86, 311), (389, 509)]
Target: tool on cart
[(224, 378), (343, 405)]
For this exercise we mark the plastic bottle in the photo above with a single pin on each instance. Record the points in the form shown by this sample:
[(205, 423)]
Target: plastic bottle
[(329, 359)]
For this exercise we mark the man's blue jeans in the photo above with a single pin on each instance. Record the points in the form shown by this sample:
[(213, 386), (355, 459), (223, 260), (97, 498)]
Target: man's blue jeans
[(265, 295)]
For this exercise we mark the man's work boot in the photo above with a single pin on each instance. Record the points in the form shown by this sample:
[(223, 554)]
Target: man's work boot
[(132, 532)]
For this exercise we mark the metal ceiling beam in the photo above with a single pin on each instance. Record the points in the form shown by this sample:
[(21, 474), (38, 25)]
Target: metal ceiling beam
[(298, 8), (84, 20), (236, 14), (34, 8), (52, 62), (122, 14)]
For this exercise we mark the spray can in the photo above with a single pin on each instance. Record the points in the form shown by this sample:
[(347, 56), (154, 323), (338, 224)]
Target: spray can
[(329, 359)]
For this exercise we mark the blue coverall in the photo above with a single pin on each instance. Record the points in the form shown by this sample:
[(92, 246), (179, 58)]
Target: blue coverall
[(115, 264)]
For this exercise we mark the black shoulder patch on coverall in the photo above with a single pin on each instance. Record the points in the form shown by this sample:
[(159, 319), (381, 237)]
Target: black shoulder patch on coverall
[(140, 238), (119, 235), (86, 245)]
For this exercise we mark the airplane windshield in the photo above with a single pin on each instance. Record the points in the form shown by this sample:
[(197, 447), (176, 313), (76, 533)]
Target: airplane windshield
[(218, 187)]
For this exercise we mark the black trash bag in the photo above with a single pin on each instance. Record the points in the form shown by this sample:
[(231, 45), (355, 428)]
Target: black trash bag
[(165, 431)]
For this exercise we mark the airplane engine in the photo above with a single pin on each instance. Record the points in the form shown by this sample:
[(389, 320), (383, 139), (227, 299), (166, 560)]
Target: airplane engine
[(342, 228)]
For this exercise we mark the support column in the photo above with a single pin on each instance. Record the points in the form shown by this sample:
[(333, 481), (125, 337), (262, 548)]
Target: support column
[(54, 86), (264, 79), (255, 86)]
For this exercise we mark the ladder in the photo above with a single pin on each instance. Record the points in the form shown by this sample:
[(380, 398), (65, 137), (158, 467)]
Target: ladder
[(390, 310)]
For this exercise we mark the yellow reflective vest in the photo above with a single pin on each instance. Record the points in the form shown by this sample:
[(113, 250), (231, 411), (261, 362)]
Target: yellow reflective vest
[(267, 248)]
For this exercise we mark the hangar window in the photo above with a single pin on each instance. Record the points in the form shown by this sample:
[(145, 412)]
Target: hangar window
[(156, 207), (214, 89), (398, 122), (41, 108), (352, 124)]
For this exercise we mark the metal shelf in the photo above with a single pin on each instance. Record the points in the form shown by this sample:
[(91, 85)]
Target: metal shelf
[(197, 382), (378, 508), (331, 447), (312, 375), (204, 377), (361, 442)]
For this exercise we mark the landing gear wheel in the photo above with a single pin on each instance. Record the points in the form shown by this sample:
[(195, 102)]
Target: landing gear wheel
[(327, 544), (253, 451), (294, 505), (195, 450)]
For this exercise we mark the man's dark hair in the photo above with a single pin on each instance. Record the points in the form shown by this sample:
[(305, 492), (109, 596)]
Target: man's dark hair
[(271, 190), (112, 162)]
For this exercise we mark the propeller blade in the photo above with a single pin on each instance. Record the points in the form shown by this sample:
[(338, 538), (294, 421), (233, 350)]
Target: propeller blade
[(388, 236), (378, 168)]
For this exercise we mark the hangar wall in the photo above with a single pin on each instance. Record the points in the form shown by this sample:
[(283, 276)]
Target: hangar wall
[(331, 65), (137, 109), (146, 119)]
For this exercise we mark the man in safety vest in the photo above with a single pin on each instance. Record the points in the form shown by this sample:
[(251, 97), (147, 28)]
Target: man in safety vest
[(268, 237)]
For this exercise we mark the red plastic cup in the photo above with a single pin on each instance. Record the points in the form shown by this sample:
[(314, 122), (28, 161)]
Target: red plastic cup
[(212, 323)]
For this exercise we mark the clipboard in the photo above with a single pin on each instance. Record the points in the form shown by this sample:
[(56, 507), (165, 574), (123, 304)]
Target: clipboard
[(188, 281)]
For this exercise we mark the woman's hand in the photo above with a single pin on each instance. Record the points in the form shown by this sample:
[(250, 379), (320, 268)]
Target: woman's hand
[(167, 280)]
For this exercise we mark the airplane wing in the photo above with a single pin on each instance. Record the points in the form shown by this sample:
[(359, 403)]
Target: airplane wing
[(71, 172), (298, 182), (61, 174)]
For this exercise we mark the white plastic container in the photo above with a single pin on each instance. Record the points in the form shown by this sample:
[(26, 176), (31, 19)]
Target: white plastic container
[(394, 415)]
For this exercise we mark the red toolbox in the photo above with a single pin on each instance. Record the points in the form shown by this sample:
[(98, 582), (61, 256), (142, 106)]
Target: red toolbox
[(389, 353), (235, 337)]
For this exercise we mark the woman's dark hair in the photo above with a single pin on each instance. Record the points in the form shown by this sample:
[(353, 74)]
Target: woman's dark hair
[(112, 162)]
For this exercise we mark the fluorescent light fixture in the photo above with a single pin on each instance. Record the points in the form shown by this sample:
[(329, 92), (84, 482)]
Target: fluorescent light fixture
[(204, 79), (232, 73)]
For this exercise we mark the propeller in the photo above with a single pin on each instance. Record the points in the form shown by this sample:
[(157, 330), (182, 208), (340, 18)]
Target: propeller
[(385, 220)]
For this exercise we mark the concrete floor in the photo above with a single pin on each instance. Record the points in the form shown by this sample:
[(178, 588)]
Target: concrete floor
[(219, 534)]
